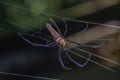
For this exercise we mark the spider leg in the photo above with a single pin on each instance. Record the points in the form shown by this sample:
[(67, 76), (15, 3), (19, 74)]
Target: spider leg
[(83, 29), (61, 62), (39, 32), (94, 46), (65, 27), (56, 26), (78, 64), (93, 61), (36, 44), (91, 46)]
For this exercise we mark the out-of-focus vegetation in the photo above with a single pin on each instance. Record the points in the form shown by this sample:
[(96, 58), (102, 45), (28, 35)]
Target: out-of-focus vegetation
[(24, 16), (27, 12)]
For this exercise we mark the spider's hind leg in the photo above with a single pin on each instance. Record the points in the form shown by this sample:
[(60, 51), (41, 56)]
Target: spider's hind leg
[(83, 29), (75, 62), (61, 62), (94, 46)]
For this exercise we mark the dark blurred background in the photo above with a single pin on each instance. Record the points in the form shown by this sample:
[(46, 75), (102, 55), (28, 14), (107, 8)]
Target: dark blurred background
[(17, 56)]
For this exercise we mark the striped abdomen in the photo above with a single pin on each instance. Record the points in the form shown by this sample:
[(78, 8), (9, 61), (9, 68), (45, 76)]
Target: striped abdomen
[(57, 37)]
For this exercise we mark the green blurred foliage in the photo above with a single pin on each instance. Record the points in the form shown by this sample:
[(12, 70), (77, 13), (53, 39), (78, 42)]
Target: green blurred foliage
[(26, 13)]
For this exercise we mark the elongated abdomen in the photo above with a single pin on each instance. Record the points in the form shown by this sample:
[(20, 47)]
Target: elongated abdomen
[(57, 37), (54, 33)]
